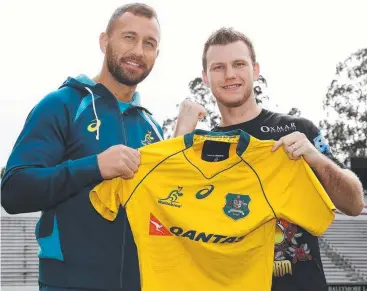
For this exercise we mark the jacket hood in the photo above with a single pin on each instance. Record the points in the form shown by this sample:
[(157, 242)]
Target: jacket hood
[(82, 82)]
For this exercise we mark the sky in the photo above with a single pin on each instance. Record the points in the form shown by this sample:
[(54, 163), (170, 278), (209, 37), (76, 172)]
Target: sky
[(298, 45)]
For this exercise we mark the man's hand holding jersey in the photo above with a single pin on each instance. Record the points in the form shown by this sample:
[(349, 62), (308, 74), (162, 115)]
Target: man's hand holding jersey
[(342, 185), (296, 145), (122, 161), (118, 161)]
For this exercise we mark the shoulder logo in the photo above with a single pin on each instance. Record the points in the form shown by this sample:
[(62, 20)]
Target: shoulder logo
[(172, 198), (156, 227), (96, 123), (148, 138), (203, 193), (321, 144), (237, 206)]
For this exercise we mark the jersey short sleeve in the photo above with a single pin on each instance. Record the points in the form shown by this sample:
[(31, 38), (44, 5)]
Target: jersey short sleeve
[(302, 199), (105, 198)]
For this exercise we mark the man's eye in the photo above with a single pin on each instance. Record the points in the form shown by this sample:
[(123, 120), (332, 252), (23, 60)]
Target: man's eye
[(129, 37), (150, 44), (239, 65), (216, 68)]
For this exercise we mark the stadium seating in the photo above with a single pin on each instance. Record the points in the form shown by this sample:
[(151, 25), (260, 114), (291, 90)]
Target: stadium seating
[(343, 249), (19, 262)]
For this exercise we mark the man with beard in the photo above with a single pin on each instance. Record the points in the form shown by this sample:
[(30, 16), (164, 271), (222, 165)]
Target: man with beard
[(229, 69), (83, 133)]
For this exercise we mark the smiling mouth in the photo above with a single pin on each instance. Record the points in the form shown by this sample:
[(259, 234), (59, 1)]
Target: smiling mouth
[(134, 64), (232, 87)]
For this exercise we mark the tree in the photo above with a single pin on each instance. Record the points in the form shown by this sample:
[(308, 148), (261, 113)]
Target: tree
[(2, 172), (294, 112), (201, 94), (345, 104)]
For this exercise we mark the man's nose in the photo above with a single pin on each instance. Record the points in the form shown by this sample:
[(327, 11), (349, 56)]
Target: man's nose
[(229, 73), (138, 49)]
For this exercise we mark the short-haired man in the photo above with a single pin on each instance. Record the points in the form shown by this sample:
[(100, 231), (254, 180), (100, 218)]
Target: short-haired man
[(230, 69)]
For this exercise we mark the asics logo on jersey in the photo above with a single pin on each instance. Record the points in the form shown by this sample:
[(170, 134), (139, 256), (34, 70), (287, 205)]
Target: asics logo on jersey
[(279, 128), (203, 193), (96, 123), (148, 138), (171, 199)]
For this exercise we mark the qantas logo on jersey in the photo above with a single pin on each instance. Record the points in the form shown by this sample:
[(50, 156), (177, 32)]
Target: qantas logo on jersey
[(279, 128), (204, 237), (156, 228)]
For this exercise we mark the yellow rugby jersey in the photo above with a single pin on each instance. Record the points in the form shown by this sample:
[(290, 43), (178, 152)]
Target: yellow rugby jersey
[(202, 225)]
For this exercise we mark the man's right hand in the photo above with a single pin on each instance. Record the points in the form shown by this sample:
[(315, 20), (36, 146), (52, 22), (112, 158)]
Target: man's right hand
[(118, 161), (189, 115)]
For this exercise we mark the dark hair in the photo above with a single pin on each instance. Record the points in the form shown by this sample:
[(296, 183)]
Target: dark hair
[(138, 9), (226, 36)]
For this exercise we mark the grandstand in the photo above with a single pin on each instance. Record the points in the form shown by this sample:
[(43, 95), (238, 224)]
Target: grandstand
[(343, 249)]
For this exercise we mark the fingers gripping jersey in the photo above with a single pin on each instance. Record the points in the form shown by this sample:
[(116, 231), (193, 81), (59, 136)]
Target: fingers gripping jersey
[(202, 225)]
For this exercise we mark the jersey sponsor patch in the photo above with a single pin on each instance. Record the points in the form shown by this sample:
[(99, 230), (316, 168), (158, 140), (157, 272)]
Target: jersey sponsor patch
[(156, 227), (200, 236), (321, 144)]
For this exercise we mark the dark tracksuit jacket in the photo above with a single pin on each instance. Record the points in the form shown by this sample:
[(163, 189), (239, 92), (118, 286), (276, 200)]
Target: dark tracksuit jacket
[(52, 168)]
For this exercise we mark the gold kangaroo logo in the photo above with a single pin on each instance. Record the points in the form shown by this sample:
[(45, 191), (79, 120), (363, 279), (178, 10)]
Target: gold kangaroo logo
[(148, 138)]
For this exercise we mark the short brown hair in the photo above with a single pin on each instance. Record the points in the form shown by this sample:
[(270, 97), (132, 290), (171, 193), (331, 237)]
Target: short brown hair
[(138, 9), (226, 36)]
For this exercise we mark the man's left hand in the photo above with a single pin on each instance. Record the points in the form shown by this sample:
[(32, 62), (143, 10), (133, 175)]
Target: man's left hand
[(296, 145)]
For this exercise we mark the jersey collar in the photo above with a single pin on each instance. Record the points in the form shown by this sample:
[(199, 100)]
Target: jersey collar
[(233, 136)]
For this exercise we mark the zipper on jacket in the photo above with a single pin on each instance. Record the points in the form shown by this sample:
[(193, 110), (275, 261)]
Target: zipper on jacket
[(124, 133), (126, 140), (124, 128)]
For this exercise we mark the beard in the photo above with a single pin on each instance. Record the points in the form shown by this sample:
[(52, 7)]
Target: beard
[(126, 77)]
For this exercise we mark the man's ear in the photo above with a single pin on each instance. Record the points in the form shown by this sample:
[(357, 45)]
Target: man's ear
[(103, 41), (205, 78), (256, 71)]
